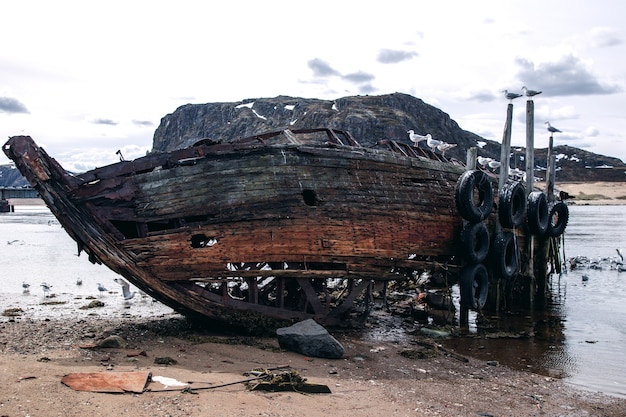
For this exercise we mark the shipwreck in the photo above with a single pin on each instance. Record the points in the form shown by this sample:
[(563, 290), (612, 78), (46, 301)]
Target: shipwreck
[(293, 224)]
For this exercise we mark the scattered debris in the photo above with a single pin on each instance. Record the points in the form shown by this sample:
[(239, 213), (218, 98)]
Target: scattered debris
[(165, 360), (112, 382), (13, 312), (168, 382), (93, 304), (284, 381), (434, 332)]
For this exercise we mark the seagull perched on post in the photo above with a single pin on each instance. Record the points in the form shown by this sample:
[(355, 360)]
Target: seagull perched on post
[(511, 96), (530, 93), (415, 138), (125, 289), (551, 128)]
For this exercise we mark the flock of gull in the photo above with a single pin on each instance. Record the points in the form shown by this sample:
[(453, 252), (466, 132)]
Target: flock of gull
[(126, 292), (583, 262), (485, 162)]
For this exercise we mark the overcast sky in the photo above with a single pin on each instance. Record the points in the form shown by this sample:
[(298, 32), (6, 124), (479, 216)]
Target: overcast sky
[(86, 78)]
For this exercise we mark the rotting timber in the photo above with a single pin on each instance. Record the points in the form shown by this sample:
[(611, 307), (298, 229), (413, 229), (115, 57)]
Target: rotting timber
[(285, 226)]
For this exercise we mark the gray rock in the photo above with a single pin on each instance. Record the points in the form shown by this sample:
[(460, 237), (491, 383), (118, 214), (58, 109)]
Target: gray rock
[(309, 338), (113, 342)]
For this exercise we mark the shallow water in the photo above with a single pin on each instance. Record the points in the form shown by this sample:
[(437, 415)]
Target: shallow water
[(36, 249), (581, 337)]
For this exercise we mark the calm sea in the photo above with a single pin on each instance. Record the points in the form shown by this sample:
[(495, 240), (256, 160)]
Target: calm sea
[(580, 338)]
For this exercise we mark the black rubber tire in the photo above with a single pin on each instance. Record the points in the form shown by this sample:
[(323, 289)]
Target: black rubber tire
[(558, 217), (505, 255), (474, 286), (512, 205), (475, 242), (538, 213), (470, 209)]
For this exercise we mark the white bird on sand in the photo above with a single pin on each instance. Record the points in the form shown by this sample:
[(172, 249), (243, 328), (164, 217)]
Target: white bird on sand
[(101, 288), (510, 96), (125, 289), (530, 93), (415, 138), (551, 128), (26, 286), (444, 146), (46, 288), (433, 143), (79, 281)]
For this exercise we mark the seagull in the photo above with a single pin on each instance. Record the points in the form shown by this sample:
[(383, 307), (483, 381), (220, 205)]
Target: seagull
[(79, 281), (415, 138), (483, 160), (530, 93), (46, 288), (433, 143), (101, 288), (621, 255), (443, 147), (510, 96), (551, 128), (26, 286), (494, 164), (125, 289)]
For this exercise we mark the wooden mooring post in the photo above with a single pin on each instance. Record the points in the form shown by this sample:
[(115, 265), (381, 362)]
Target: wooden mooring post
[(530, 181), (505, 151)]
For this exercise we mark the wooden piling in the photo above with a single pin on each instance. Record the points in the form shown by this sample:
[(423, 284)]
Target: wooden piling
[(470, 162), (505, 149), (530, 146), (551, 171), (530, 178)]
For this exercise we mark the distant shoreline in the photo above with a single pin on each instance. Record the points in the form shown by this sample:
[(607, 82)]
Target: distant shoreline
[(592, 193), (26, 202)]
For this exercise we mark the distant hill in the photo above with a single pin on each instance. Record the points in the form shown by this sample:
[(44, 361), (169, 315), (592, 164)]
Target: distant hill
[(368, 118), (11, 177)]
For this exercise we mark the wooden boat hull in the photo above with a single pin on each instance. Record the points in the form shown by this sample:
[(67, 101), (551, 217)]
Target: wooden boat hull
[(265, 227)]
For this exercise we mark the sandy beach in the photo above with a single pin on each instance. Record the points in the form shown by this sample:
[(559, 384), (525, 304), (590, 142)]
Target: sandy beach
[(592, 193), (372, 379)]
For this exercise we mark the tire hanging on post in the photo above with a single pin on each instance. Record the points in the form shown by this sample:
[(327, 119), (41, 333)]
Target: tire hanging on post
[(475, 242), (505, 256), (558, 217), (474, 207), (538, 213), (512, 205), (474, 286)]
